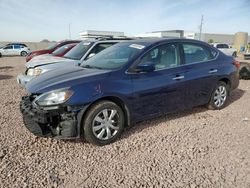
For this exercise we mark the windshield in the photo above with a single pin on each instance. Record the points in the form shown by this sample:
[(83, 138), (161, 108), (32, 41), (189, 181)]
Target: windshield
[(78, 51), (114, 57), (61, 50), (52, 46)]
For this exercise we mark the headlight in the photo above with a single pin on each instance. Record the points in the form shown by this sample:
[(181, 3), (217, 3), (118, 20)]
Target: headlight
[(34, 72), (55, 97)]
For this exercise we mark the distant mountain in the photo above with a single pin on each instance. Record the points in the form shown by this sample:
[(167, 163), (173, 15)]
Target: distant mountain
[(45, 40)]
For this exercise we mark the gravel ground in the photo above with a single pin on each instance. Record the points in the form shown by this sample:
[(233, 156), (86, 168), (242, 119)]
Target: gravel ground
[(197, 148)]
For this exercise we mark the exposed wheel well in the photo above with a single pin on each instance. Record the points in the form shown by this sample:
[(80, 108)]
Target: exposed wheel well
[(226, 81), (117, 101)]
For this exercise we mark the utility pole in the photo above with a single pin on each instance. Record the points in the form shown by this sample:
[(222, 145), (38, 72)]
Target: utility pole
[(201, 27), (69, 30)]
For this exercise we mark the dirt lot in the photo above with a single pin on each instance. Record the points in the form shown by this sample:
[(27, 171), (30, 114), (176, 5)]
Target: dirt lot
[(198, 148)]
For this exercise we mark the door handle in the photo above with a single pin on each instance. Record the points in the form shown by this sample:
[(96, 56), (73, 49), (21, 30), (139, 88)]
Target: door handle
[(213, 71), (178, 78)]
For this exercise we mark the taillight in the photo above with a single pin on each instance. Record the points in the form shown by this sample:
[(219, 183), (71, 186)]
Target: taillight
[(236, 64)]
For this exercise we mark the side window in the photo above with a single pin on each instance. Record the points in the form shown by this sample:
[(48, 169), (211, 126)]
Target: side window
[(163, 57), (8, 47), (226, 46), (98, 48), (220, 46), (194, 53), (214, 53), (101, 47)]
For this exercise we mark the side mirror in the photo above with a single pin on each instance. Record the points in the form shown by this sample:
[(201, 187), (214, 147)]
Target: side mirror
[(91, 55), (78, 63), (145, 67)]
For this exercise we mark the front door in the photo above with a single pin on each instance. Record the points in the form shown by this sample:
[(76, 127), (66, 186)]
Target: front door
[(162, 90), (8, 50)]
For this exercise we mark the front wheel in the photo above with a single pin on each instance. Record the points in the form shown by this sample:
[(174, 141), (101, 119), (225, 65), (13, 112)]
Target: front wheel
[(24, 54), (103, 123), (219, 96), (0, 55), (235, 54)]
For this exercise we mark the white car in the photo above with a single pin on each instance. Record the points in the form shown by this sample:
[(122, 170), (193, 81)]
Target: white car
[(14, 49), (226, 49)]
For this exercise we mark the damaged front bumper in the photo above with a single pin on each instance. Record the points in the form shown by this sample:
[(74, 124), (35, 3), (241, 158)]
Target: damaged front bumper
[(59, 122)]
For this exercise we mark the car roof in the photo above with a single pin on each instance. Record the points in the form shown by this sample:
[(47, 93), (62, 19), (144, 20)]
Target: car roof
[(151, 41), (16, 44), (143, 41), (96, 41), (70, 44), (68, 41)]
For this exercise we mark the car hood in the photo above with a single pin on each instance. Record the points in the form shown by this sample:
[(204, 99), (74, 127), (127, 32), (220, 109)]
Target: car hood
[(64, 77), (40, 52), (44, 60)]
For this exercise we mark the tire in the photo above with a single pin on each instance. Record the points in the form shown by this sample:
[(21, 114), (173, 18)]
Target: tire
[(245, 71), (95, 117), (234, 54), (221, 92), (0, 55), (24, 54)]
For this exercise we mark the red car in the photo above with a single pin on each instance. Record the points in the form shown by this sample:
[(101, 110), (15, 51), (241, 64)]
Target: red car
[(50, 49), (60, 52)]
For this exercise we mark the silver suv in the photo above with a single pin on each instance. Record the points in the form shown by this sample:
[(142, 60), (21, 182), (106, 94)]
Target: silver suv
[(14, 49), (81, 52)]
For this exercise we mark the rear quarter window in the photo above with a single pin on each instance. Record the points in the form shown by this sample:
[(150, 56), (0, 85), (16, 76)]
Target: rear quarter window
[(195, 53)]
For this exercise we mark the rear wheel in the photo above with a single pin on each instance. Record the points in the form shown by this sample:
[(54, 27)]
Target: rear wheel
[(24, 54), (103, 123), (219, 96)]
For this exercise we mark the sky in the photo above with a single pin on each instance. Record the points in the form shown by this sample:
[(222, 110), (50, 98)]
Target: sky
[(35, 20)]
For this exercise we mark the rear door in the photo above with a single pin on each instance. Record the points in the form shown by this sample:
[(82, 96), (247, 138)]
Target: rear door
[(17, 50), (201, 73), (162, 90)]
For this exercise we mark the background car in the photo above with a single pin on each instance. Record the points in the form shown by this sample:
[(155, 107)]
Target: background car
[(60, 52), (14, 49), (50, 49), (129, 82), (226, 49), (77, 55)]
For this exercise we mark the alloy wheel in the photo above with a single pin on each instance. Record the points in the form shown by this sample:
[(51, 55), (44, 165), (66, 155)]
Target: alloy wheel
[(24, 54), (220, 96), (105, 124)]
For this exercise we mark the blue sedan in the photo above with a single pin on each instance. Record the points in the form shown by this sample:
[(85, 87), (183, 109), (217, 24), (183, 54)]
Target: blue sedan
[(129, 82)]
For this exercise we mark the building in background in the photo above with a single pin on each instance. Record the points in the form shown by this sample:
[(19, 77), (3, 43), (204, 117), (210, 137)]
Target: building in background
[(207, 37), (170, 33), (92, 34), (160, 34)]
